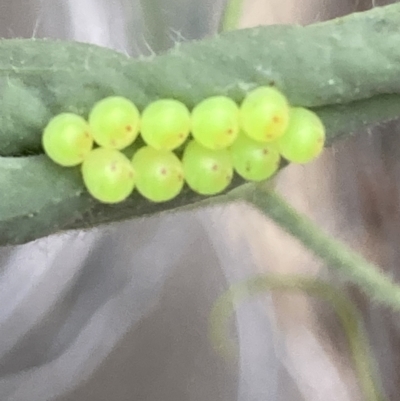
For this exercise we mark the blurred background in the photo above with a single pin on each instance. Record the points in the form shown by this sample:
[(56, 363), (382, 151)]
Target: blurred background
[(120, 312)]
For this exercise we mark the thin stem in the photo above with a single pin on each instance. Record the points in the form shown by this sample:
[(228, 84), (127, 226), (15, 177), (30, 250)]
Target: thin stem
[(353, 266), (155, 26), (345, 310), (232, 14)]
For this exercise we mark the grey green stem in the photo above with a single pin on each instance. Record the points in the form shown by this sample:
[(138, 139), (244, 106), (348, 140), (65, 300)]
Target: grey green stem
[(346, 70), (155, 27), (352, 266)]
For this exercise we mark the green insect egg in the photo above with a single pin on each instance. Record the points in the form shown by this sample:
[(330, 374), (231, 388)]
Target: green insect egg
[(215, 122), (165, 124), (252, 160), (264, 114), (160, 176), (114, 122), (305, 137), (67, 139), (108, 175), (207, 172)]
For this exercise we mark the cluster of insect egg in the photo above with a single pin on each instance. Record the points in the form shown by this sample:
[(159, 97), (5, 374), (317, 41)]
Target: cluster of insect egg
[(218, 136)]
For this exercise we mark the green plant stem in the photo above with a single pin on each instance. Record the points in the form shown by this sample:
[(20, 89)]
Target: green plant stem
[(346, 70), (345, 310), (232, 14), (331, 64), (352, 266)]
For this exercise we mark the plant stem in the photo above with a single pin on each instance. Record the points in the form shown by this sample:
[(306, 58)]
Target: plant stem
[(155, 27), (232, 14), (346, 69), (354, 267), (345, 310)]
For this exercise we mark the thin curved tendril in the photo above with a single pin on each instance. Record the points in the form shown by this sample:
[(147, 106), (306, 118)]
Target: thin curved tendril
[(345, 310), (343, 307)]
